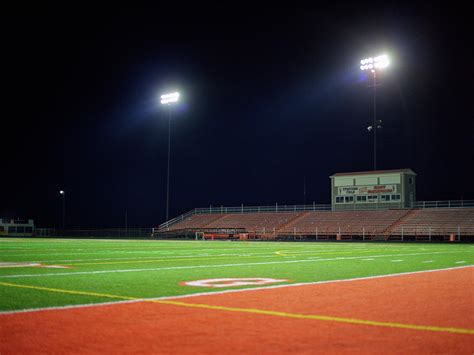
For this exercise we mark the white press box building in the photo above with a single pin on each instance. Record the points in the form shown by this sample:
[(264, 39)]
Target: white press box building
[(378, 189)]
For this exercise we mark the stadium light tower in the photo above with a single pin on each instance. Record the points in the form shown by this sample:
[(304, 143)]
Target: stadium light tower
[(63, 193), (373, 64), (169, 99)]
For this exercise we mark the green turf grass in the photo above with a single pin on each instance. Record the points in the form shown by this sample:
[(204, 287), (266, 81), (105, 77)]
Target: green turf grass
[(148, 269)]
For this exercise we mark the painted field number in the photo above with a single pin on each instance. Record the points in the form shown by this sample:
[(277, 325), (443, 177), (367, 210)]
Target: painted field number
[(232, 282)]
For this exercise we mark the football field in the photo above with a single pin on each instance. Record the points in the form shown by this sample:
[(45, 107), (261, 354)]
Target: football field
[(39, 277)]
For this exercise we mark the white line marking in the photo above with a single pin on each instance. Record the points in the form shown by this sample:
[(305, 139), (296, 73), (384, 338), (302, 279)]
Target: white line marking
[(210, 266), (369, 259), (427, 261), (18, 264), (153, 257), (396, 261), (211, 293), (460, 262)]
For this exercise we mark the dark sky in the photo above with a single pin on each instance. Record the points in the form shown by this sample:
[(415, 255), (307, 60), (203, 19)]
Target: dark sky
[(269, 97)]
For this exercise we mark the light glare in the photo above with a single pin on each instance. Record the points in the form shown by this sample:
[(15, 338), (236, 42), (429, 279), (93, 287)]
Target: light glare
[(379, 62), (168, 98)]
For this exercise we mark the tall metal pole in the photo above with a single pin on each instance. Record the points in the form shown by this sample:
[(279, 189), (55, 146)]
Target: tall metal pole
[(304, 190), (168, 177), (375, 126), (64, 210)]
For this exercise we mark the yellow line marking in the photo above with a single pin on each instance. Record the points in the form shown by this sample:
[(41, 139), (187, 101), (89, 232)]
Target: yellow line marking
[(323, 318), (71, 292), (255, 311)]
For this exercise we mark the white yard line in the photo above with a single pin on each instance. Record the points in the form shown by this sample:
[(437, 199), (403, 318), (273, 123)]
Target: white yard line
[(185, 255), (212, 266), (262, 288)]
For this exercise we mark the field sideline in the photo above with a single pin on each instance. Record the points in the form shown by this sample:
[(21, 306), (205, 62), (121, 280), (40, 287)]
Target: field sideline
[(297, 282)]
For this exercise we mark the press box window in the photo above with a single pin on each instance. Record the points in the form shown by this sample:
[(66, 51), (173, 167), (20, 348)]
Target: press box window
[(361, 199), (340, 199), (372, 199), (349, 199), (384, 198), (395, 197)]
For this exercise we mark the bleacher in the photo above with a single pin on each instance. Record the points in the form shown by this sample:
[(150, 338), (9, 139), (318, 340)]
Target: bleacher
[(369, 224), (436, 222), (196, 221), (345, 223)]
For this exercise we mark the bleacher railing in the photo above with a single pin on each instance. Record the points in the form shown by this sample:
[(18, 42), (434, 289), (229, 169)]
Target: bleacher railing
[(307, 208)]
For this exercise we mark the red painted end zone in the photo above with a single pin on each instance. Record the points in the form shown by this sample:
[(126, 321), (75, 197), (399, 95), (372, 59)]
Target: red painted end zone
[(442, 299)]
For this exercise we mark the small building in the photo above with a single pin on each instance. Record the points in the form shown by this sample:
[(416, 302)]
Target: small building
[(16, 227), (377, 189)]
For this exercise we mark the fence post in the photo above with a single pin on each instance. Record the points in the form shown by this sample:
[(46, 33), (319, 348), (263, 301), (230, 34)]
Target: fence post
[(276, 206), (459, 234), (402, 233), (363, 233), (316, 233), (429, 233), (242, 208)]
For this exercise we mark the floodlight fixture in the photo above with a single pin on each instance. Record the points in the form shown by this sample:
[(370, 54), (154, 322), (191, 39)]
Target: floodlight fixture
[(169, 98), (61, 192), (379, 62)]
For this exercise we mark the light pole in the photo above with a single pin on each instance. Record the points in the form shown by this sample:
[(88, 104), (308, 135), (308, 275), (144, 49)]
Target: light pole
[(168, 99), (63, 193), (373, 64)]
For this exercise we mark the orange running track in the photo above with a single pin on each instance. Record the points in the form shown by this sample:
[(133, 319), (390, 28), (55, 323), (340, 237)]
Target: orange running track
[(280, 320)]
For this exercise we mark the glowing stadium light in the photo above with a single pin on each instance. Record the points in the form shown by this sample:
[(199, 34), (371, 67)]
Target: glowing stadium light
[(169, 98), (379, 62), (61, 192)]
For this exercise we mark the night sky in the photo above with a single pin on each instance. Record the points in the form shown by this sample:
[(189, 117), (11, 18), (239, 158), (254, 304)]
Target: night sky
[(270, 98)]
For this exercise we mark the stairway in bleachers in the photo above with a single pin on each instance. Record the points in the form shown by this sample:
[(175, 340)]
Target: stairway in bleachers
[(218, 218), (292, 222), (394, 225)]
